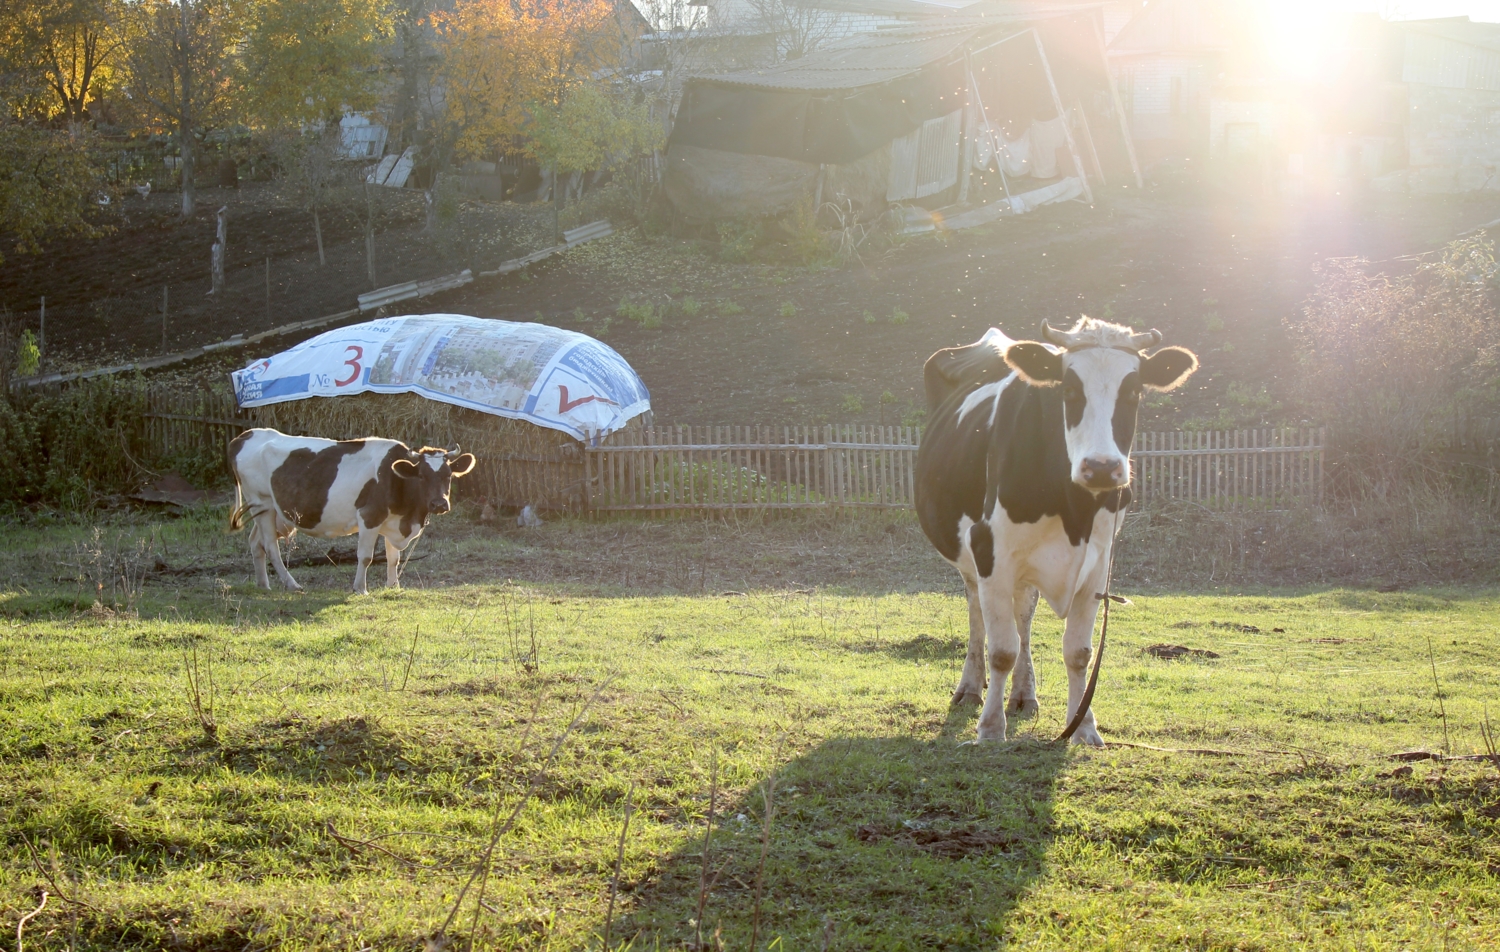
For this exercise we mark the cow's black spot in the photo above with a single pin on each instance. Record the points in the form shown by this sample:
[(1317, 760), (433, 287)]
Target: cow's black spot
[(1127, 405), (302, 481), (961, 368), (1074, 399), (982, 544), (383, 494)]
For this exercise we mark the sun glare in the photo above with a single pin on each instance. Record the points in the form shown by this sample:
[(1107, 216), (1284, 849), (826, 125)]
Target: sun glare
[(1299, 37)]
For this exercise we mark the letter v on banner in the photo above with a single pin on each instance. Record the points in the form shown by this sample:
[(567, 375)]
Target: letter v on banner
[(564, 404)]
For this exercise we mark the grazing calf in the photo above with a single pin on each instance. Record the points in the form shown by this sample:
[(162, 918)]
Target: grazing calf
[(1022, 470), (332, 488)]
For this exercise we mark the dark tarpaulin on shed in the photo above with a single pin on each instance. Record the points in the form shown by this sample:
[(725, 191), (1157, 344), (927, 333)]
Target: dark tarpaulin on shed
[(827, 126)]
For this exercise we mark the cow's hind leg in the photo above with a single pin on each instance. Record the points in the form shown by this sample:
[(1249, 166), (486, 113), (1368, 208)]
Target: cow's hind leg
[(971, 682), (258, 554), (1023, 682), (271, 545), (996, 602)]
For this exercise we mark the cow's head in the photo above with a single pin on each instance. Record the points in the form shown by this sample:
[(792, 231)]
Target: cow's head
[(1102, 370), (430, 476)]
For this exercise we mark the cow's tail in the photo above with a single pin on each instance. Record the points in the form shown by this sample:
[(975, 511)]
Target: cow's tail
[(240, 510)]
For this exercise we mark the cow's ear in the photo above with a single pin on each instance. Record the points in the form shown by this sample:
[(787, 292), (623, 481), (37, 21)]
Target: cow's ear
[(461, 465), (1036, 363), (404, 468), (1168, 368)]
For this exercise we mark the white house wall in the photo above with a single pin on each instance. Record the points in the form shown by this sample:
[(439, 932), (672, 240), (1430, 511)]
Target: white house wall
[(1229, 118), (1146, 84), (1453, 115), (1434, 61)]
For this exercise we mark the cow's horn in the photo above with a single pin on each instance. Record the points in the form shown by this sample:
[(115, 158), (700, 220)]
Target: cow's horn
[(1050, 333), (454, 452), (1149, 339)]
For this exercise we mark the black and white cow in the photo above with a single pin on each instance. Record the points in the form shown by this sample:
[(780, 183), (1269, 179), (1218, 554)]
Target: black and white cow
[(332, 488), (1023, 466)]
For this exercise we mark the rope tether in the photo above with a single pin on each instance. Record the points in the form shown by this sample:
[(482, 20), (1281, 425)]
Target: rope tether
[(1106, 597)]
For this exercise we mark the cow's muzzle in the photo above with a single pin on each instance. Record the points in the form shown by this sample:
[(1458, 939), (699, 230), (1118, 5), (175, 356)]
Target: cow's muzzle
[(439, 507), (1101, 475)]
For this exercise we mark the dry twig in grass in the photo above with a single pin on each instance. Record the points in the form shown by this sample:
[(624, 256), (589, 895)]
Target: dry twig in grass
[(202, 709), (411, 657), (768, 797), (499, 828), (1437, 691), (21, 926), (51, 878), (1488, 733), (614, 882), (704, 885)]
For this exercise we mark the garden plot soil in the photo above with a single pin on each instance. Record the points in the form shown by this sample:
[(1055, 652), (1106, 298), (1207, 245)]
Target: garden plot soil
[(778, 343), (104, 295)]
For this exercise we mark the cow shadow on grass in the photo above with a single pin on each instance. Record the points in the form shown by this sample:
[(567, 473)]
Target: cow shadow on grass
[(875, 843)]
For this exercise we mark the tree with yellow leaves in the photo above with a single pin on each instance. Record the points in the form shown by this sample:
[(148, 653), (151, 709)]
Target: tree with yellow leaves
[(500, 58)]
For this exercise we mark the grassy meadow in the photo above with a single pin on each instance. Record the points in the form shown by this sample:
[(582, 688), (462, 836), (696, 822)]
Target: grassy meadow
[(766, 703)]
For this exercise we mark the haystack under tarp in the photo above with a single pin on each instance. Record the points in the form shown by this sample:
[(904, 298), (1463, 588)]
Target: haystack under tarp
[(524, 398), (543, 375)]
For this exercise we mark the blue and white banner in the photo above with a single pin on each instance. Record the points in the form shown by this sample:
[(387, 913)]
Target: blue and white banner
[(546, 375)]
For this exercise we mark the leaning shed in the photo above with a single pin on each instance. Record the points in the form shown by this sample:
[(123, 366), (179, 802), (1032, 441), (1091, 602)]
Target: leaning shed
[(999, 101)]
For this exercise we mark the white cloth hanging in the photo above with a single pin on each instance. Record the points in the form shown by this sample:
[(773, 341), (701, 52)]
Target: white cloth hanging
[(1046, 138), (984, 147), (1016, 156)]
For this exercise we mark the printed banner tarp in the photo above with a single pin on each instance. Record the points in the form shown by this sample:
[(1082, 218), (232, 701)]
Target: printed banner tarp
[(546, 375)]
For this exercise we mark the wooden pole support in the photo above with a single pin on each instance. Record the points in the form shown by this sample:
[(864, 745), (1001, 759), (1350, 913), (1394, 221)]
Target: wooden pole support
[(1114, 93), (1083, 176)]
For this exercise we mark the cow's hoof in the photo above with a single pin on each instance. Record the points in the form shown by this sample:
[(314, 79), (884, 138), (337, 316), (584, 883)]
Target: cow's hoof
[(966, 696), (1024, 707), (1088, 736), (991, 729)]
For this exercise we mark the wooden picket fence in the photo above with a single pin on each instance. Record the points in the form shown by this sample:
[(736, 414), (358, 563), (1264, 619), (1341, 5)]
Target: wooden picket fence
[(753, 467), (1232, 469), (801, 467), (746, 467), (191, 422)]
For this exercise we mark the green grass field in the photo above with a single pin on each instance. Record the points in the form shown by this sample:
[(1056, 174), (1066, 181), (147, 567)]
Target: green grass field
[(366, 749)]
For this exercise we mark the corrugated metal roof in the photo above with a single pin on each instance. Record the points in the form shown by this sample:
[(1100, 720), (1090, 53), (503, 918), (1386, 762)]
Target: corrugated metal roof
[(1458, 30), (871, 58), (862, 60)]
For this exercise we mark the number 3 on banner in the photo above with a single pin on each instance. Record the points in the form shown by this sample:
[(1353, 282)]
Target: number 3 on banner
[(353, 364)]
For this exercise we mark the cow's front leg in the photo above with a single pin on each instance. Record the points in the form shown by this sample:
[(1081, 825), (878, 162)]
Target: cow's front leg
[(995, 603), (1023, 683), (392, 564), (971, 682), (366, 556), (1078, 649)]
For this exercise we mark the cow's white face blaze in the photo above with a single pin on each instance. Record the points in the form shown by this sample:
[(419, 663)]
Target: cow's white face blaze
[(1099, 387), (1102, 374)]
